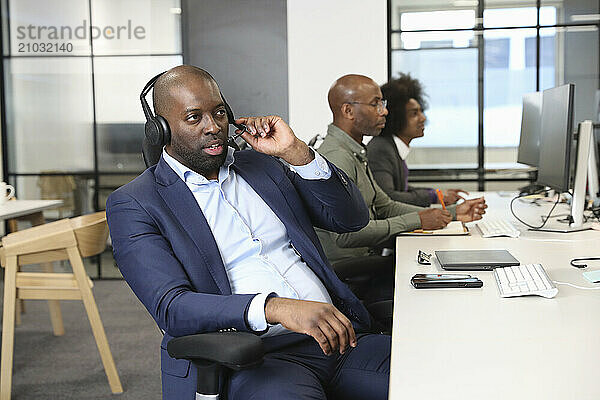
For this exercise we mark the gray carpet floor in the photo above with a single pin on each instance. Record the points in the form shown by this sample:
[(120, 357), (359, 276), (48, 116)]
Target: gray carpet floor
[(69, 366)]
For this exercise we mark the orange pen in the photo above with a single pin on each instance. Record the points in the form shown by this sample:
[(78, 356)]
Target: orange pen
[(440, 198)]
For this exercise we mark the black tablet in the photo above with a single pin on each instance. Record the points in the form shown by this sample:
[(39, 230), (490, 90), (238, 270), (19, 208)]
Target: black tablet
[(474, 260)]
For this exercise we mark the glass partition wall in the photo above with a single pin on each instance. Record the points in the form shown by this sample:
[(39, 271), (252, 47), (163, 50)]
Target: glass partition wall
[(476, 59), (72, 72)]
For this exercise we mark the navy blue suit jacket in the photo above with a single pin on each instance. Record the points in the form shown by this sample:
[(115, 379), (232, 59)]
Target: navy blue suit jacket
[(166, 252)]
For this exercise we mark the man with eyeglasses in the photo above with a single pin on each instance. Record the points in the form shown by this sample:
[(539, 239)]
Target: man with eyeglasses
[(359, 110)]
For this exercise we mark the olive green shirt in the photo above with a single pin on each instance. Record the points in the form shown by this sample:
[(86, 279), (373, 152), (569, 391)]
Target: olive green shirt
[(387, 217)]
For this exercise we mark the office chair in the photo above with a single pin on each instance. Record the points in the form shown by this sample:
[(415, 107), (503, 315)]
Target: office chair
[(368, 277)]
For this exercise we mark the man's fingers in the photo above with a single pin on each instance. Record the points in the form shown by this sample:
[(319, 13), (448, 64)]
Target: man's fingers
[(331, 335), (446, 216), (250, 126), (253, 125), (347, 326), (341, 333), (258, 126), (320, 337), (261, 126)]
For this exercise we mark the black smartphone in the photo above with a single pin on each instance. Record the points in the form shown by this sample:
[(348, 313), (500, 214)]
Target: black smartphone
[(441, 276), (429, 283)]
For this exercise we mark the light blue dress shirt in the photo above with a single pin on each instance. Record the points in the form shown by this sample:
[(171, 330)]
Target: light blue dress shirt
[(254, 245)]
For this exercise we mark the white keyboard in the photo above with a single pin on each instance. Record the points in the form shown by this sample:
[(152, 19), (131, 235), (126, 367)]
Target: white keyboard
[(523, 280), (497, 227)]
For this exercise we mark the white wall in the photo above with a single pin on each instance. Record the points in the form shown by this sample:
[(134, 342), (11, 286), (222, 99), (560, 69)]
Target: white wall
[(326, 40)]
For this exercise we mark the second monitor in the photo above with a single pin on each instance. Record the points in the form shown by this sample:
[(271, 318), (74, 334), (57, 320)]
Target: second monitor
[(556, 138)]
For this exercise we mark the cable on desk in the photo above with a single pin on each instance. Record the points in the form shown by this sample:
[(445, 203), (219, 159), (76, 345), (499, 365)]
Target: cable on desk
[(525, 223), (575, 286), (576, 261)]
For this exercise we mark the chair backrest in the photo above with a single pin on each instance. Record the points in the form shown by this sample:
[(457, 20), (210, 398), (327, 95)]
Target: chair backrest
[(91, 232), (316, 141), (88, 232)]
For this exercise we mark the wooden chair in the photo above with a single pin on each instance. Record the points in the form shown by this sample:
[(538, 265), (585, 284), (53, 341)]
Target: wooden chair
[(67, 239)]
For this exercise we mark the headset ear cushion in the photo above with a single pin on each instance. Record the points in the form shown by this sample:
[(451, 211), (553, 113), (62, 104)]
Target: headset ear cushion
[(153, 132), (166, 130)]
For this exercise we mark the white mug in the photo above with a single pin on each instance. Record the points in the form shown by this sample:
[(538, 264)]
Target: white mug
[(3, 196)]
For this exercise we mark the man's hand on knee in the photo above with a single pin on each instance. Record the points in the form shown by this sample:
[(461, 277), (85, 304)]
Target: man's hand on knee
[(325, 323)]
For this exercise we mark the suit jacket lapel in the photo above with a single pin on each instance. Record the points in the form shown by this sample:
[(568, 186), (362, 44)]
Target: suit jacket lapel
[(183, 205), (393, 146)]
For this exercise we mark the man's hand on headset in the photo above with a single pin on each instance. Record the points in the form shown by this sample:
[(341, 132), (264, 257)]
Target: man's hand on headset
[(271, 135)]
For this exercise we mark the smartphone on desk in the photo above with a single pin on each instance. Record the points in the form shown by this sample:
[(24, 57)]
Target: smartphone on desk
[(432, 281)]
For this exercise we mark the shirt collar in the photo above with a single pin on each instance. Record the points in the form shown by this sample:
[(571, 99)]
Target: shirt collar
[(402, 147), (189, 176), (358, 149)]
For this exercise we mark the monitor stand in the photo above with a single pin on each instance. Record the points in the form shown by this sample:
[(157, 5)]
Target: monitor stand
[(584, 143)]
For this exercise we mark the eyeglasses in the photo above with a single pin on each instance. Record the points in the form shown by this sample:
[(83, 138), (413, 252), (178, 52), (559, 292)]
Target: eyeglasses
[(379, 105)]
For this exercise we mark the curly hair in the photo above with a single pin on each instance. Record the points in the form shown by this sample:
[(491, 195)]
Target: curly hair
[(398, 92)]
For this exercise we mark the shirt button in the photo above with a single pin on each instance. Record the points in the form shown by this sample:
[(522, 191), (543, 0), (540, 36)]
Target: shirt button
[(317, 173)]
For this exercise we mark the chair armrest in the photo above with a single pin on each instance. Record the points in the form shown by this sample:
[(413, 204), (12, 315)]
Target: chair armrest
[(235, 350)]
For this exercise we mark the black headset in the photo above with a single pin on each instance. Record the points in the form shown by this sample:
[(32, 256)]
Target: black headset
[(157, 129)]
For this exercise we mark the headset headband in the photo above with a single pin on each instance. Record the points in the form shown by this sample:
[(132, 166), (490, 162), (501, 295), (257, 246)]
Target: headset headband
[(147, 112)]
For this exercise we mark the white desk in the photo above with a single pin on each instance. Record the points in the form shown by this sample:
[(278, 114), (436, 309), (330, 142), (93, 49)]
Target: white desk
[(472, 344), (18, 208)]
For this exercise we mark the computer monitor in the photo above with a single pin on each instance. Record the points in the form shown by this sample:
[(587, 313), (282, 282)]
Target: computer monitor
[(556, 137), (531, 119)]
